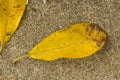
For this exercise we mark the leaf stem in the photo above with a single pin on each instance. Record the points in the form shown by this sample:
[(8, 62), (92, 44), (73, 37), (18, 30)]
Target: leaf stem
[(18, 58)]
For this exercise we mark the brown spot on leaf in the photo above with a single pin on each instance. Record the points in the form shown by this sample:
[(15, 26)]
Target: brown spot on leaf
[(74, 50), (64, 43), (68, 27), (12, 15), (92, 25), (95, 40), (8, 33), (16, 6), (102, 39), (4, 9), (98, 43), (89, 34), (98, 28), (87, 29)]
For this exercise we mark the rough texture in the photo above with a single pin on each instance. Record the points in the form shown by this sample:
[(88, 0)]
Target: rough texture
[(41, 19)]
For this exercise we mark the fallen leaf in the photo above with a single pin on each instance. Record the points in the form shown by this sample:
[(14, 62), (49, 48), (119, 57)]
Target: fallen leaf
[(11, 12), (77, 41)]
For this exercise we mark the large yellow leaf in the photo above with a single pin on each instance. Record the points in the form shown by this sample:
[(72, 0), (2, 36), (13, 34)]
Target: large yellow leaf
[(11, 12), (3, 21), (76, 41)]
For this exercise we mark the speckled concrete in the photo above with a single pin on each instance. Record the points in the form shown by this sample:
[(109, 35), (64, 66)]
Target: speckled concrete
[(40, 20)]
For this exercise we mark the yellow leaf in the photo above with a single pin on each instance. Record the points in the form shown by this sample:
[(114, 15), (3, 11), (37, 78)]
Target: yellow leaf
[(2, 28), (15, 15), (11, 12), (77, 41), (3, 20)]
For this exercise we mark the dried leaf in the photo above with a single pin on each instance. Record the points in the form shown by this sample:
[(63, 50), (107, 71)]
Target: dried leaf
[(11, 12), (77, 41)]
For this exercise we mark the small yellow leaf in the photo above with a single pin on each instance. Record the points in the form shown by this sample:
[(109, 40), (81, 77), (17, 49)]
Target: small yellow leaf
[(77, 41), (11, 12)]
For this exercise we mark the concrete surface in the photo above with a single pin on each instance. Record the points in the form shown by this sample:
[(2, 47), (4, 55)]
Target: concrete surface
[(40, 20)]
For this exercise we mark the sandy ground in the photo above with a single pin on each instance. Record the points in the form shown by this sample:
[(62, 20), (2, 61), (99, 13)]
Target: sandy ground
[(40, 20)]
